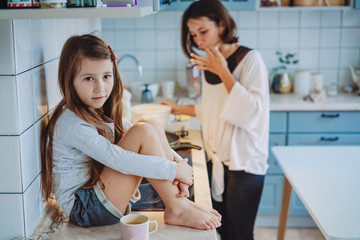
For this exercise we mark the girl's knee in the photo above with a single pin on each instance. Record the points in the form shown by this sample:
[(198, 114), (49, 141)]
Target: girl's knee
[(144, 130), (151, 121)]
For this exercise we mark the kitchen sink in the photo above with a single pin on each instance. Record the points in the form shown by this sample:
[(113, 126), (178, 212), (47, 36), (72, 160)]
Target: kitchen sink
[(150, 200)]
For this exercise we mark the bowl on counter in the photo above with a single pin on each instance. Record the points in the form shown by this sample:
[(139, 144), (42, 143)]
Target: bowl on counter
[(158, 112)]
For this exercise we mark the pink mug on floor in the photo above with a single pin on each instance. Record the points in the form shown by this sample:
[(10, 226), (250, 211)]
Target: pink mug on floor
[(136, 226)]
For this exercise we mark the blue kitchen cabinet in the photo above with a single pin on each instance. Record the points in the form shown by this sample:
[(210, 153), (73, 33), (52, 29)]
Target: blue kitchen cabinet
[(278, 122), (275, 140), (277, 137), (323, 139), (357, 4), (270, 202), (229, 4), (324, 122)]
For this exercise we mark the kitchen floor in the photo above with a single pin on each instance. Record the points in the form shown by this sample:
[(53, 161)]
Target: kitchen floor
[(291, 233), (70, 231)]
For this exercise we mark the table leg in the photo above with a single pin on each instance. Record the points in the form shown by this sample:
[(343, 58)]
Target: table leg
[(284, 209)]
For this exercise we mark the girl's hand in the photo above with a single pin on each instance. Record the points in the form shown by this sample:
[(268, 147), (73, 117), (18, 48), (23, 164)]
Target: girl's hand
[(183, 189), (184, 172), (214, 62)]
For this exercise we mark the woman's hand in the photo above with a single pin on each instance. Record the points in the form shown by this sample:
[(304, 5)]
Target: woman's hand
[(179, 109), (183, 189), (184, 172), (170, 104), (214, 62)]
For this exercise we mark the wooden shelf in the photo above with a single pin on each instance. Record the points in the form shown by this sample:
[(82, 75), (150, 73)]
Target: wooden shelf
[(294, 8), (350, 4)]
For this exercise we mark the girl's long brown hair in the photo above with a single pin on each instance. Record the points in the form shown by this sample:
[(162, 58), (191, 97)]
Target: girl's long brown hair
[(74, 51)]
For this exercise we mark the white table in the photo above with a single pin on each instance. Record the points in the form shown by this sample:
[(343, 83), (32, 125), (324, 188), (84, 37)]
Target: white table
[(327, 180)]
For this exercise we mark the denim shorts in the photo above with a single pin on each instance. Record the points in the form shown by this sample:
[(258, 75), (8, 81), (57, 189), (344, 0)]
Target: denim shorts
[(92, 208)]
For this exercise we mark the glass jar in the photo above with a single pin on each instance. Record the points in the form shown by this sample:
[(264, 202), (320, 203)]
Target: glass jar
[(52, 3), (90, 3), (74, 3), (332, 90)]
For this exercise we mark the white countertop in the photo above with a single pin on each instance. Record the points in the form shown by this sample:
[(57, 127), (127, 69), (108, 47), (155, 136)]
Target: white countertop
[(295, 102), (202, 197), (326, 179)]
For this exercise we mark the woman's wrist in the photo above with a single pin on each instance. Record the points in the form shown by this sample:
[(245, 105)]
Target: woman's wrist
[(177, 109), (185, 109)]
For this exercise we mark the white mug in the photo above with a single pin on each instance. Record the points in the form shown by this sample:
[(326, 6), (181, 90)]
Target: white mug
[(136, 226), (168, 88), (302, 82)]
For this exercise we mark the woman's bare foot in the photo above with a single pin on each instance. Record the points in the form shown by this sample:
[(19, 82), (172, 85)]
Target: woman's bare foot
[(185, 213)]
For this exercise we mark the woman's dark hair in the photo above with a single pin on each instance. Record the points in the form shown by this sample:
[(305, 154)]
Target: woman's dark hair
[(216, 12)]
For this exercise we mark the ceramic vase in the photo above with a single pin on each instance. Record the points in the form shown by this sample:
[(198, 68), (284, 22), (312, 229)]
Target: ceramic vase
[(282, 83)]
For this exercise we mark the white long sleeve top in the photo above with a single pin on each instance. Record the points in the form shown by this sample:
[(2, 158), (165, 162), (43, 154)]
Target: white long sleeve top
[(235, 125)]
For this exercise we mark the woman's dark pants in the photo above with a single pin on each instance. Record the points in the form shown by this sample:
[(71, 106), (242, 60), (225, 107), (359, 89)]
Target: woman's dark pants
[(241, 199)]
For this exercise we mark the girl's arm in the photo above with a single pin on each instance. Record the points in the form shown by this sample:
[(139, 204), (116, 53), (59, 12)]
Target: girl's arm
[(183, 188), (76, 133)]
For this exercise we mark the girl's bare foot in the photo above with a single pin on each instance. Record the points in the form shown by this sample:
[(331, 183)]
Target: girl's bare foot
[(184, 213), (207, 210)]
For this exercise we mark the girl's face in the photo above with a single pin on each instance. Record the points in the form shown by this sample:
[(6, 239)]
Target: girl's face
[(205, 32), (94, 82)]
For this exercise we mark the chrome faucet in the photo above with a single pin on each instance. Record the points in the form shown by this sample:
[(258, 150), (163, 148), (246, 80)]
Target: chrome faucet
[(139, 67)]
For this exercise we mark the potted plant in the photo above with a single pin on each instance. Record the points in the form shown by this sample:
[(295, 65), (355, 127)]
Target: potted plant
[(281, 80)]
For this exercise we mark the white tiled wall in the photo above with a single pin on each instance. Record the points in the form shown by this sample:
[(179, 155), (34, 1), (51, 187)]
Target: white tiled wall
[(29, 53), (20, 156), (12, 216), (326, 41), (7, 50)]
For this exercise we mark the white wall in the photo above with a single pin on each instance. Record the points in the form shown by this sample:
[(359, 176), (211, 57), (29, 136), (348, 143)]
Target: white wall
[(29, 53)]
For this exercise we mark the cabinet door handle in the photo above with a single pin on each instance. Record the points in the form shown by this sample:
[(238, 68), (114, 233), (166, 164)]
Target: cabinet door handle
[(330, 115), (329, 139)]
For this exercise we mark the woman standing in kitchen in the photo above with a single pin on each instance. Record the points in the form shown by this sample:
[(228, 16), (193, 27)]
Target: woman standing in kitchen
[(234, 114)]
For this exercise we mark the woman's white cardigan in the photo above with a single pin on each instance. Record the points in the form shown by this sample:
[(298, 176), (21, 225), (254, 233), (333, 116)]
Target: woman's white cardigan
[(235, 125)]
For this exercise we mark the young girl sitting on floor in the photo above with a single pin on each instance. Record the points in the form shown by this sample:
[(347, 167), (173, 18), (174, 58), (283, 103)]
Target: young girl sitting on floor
[(93, 160)]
